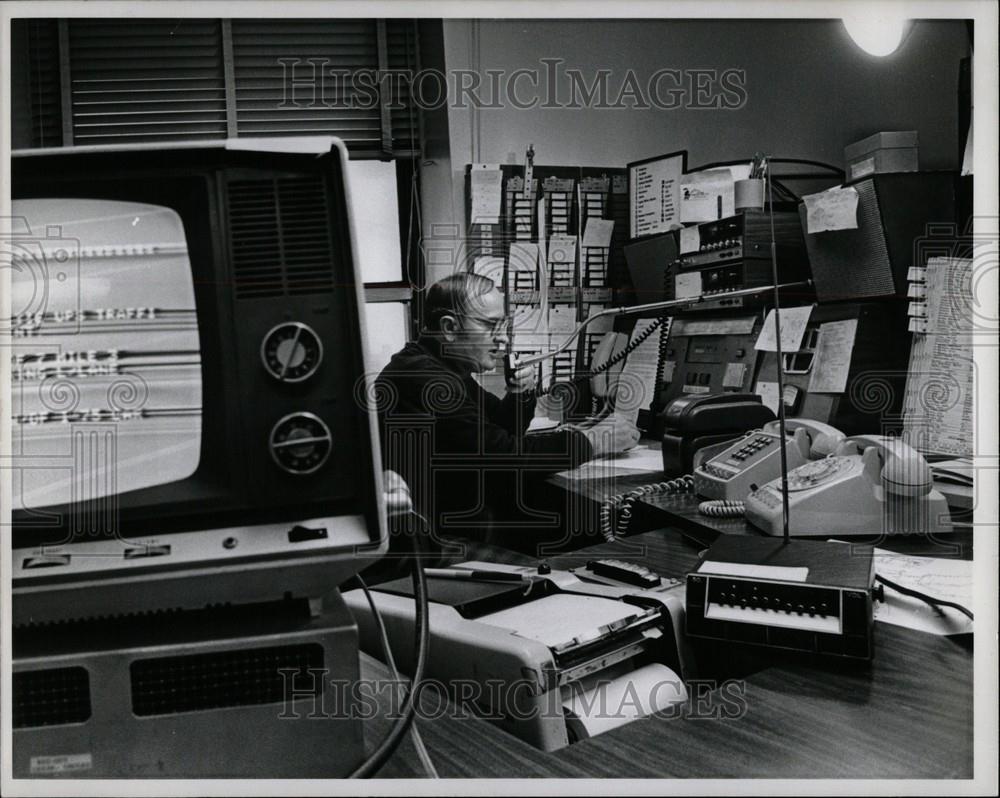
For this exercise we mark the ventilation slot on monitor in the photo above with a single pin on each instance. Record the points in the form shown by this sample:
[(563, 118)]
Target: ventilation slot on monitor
[(280, 237), (246, 677), (50, 697)]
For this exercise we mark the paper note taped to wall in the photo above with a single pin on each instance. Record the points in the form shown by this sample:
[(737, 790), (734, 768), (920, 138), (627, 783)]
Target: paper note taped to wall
[(687, 284), (598, 232), (793, 328), (707, 196), (768, 393), (486, 183), (690, 239), (489, 266), (833, 356), (833, 209), (562, 250), (562, 318), (523, 256), (529, 318)]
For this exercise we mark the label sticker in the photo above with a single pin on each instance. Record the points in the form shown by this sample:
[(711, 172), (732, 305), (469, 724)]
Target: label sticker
[(66, 763)]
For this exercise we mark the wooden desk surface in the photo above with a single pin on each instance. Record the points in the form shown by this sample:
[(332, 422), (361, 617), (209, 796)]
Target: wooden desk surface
[(907, 715), (680, 511)]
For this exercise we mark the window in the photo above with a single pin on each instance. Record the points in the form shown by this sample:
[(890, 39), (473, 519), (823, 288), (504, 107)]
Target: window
[(374, 197), (374, 201), (386, 326), (105, 81), (124, 81)]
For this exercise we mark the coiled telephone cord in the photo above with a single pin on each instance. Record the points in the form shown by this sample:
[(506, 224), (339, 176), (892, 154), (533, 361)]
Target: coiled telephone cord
[(622, 504), (611, 362), (722, 508)]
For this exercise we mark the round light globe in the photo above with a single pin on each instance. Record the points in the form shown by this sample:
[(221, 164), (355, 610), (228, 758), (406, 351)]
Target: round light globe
[(878, 32)]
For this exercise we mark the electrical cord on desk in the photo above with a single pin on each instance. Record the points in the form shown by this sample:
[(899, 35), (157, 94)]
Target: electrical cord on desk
[(391, 741), (722, 508), (934, 602), (418, 742), (622, 503)]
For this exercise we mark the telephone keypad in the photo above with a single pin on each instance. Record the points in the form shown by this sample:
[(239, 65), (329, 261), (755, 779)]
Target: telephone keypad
[(751, 448)]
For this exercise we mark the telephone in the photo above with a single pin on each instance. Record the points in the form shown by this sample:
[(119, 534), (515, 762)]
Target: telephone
[(692, 422), (756, 458), (871, 485)]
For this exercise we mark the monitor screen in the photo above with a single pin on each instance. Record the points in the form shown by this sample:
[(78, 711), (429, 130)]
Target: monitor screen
[(107, 367)]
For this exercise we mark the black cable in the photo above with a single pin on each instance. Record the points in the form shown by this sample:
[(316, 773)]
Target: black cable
[(934, 602), (612, 361), (408, 709), (390, 661), (631, 347), (623, 504)]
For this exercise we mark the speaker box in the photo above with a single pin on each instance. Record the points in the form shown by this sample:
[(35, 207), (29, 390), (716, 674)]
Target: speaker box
[(648, 260), (896, 213), (259, 691)]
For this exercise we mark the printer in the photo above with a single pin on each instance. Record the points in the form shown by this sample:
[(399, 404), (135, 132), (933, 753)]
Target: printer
[(544, 654)]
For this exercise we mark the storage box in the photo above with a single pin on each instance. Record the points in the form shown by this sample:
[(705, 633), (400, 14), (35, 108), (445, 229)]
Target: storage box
[(891, 151)]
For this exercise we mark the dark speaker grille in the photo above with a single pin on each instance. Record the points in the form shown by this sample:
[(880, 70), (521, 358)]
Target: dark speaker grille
[(853, 264), (168, 685), (50, 697), (280, 237)]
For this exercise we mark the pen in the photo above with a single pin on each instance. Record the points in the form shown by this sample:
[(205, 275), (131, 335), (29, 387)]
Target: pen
[(470, 575)]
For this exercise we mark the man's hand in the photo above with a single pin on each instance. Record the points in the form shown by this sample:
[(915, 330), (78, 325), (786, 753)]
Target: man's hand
[(522, 379), (611, 435), (397, 494)]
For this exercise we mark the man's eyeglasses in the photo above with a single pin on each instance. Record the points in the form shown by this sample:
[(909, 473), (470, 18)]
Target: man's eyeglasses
[(496, 326)]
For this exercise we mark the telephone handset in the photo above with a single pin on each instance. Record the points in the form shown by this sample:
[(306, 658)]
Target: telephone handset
[(756, 458), (872, 485)]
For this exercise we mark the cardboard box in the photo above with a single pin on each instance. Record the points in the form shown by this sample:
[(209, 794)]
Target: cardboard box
[(890, 151)]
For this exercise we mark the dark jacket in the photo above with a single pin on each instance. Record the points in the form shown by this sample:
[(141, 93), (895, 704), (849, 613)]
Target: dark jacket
[(462, 450)]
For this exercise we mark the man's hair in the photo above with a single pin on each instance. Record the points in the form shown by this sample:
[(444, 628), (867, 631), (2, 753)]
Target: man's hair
[(454, 294)]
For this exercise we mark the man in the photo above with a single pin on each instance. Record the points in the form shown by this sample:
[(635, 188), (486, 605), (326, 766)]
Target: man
[(462, 450)]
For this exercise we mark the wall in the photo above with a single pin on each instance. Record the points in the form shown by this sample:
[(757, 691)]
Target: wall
[(809, 91)]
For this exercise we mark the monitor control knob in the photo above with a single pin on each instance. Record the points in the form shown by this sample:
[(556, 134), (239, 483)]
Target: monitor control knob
[(300, 443), (291, 351)]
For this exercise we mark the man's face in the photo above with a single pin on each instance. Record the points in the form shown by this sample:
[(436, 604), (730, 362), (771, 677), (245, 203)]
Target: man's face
[(480, 334)]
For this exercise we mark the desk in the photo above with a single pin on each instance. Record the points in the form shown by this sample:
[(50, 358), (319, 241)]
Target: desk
[(680, 511), (907, 715)]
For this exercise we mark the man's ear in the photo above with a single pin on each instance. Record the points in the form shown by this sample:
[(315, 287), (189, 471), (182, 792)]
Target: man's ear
[(448, 325)]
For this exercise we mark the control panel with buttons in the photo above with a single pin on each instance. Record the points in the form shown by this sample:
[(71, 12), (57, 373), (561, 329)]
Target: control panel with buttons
[(816, 609), (748, 463), (735, 253), (710, 355), (808, 596)]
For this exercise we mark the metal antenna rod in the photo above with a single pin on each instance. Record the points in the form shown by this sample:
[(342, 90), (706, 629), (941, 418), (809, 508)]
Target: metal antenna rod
[(781, 365)]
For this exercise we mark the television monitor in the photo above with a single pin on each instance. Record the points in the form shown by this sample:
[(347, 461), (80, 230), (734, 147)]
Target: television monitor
[(191, 419)]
